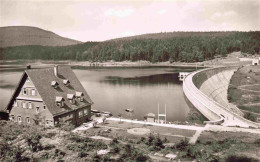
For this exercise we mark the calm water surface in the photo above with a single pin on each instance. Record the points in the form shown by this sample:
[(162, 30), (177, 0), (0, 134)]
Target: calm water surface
[(116, 89)]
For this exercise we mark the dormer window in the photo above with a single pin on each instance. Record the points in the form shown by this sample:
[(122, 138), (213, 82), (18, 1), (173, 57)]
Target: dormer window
[(71, 98), (54, 84), (24, 91), (59, 101), (66, 82), (80, 95)]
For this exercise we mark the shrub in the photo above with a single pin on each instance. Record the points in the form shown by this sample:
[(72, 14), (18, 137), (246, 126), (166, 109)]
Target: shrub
[(130, 153), (33, 141), (49, 147), (59, 153), (72, 147), (236, 158), (10, 153), (182, 145), (45, 155), (257, 142), (114, 141), (82, 154), (149, 140), (165, 140), (115, 149), (157, 144), (49, 135), (193, 152), (141, 140), (250, 116)]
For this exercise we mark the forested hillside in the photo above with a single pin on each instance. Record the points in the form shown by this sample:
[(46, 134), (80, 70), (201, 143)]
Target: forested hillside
[(185, 48), (11, 36)]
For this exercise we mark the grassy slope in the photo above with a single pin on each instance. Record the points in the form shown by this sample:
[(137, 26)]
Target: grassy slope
[(247, 78), (25, 35)]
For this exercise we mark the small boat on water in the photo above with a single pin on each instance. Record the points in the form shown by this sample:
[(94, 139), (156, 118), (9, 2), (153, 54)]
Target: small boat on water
[(95, 111), (129, 110), (99, 113), (106, 113)]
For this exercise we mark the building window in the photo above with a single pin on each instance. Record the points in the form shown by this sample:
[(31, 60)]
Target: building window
[(85, 111), (72, 101), (80, 114), (60, 104), (47, 122), (24, 105), (54, 84), (19, 118), (28, 120), (27, 80), (30, 106), (24, 91), (15, 104), (66, 82), (33, 91), (80, 95), (44, 107), (59, 101), (71, 98), (12, 118), (37, 109)]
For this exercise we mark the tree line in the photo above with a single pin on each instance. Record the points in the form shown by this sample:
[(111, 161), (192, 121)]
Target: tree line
[(191, 48)]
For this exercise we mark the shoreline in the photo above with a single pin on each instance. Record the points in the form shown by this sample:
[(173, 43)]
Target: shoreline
[(8, 63)]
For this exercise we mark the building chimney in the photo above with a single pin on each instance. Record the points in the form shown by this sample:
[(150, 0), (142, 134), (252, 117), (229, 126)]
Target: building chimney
[(28, 67), (56, 70)]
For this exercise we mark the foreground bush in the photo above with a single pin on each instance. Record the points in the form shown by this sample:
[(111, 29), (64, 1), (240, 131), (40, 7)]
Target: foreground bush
[(236, 158)]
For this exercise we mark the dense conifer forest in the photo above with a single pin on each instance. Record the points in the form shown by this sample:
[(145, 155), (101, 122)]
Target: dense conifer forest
[(173, 47)]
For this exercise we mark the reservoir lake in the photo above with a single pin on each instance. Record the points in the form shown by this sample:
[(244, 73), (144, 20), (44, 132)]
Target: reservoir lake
[(117, 89)]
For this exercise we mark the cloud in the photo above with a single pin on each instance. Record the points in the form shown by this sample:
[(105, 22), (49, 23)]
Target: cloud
[(161, 12), (217, 15), (119, 12)]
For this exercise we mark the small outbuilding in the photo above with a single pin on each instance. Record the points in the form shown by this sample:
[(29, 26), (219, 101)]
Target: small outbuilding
[(150, 117)]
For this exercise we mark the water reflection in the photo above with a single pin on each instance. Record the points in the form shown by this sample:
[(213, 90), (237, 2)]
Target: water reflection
[(158, 79), (115, 89)]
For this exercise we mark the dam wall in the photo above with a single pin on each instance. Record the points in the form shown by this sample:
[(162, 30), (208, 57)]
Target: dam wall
[(207, 90)]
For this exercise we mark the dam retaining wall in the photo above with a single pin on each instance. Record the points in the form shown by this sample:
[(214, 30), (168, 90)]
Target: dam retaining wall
[(207, 90)]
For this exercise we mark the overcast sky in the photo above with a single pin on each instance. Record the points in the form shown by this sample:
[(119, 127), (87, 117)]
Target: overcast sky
[(102, 20)]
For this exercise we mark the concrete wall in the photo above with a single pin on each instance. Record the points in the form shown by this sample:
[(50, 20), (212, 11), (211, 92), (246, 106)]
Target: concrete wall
[(207, 91), (215, 83)]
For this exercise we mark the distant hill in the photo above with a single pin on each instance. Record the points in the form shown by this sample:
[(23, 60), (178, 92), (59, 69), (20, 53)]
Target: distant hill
[(161, 47), (168, 35), (24, 35)]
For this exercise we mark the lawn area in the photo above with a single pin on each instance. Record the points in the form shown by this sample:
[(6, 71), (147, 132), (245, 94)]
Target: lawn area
[(119, 130), (244, 89)]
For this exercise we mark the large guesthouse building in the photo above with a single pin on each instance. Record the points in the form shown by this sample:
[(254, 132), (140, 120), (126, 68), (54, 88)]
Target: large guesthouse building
[(49, 96)]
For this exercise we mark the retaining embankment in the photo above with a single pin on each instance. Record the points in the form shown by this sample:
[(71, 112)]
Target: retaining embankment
[(207, 90)]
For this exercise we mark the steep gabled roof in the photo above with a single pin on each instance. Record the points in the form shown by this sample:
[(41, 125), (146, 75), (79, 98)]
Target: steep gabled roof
[(42, 79)]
